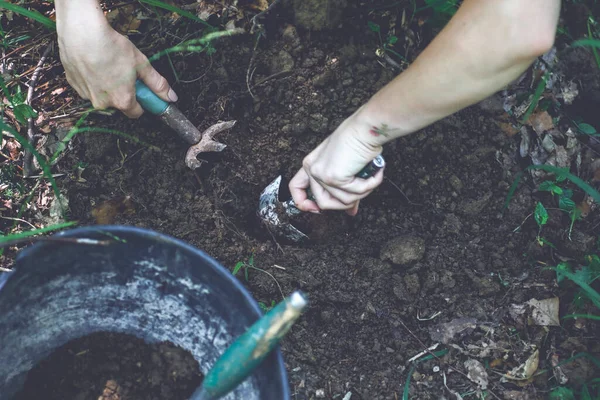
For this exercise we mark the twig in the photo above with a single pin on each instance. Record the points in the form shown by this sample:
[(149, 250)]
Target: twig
[(84, 241), (401, 192), (19, 220), (201, 76), (280, 74), (27, 156), (250, 71)]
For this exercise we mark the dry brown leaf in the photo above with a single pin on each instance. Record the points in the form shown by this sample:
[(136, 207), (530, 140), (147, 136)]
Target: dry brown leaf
[(107, 212), (124, 19), (585, 208), (541, 122), (507, 128), (523, 374)]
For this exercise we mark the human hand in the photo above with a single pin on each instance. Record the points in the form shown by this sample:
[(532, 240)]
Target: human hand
[(330, 170), (102, 65)]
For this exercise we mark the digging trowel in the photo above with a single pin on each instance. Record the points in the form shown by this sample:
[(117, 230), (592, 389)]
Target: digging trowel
[(174, 118), (249, 350), (276, 214)]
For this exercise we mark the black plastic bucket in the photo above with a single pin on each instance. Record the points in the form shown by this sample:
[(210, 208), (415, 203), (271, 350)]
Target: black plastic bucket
[(147, 284)]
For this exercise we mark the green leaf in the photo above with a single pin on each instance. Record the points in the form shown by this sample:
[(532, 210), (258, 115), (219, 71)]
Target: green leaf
[(373, 26), (586, 128), (36, 16), (540, 214), (237, 267), (392, 40), (549, 186), (251, 260), (561, 393), (23, 112), (566, 203), (560, 268), (542, 241)]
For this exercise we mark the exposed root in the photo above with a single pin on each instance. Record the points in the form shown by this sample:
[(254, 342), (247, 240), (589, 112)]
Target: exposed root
[(207, 144), (28, 166)]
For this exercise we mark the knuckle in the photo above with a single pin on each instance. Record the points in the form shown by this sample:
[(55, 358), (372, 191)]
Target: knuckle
[(161, 84)]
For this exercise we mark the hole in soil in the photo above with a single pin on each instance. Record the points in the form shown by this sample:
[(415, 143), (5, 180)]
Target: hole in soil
[(110, 366)]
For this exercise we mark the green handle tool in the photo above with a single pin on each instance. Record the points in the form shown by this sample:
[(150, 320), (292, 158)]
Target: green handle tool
[(244, 355), (167, 112)]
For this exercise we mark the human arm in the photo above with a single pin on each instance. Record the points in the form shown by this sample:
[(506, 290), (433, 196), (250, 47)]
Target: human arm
[(101, 64), (484, 47)]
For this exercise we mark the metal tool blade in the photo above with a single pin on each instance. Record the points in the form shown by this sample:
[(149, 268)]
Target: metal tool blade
[(269, 207)]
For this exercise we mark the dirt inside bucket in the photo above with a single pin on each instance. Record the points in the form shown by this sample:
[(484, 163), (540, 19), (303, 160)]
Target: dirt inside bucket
[(113, 366)]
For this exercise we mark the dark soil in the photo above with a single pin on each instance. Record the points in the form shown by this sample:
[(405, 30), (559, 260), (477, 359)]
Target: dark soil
[(433, 241), (113, 366)]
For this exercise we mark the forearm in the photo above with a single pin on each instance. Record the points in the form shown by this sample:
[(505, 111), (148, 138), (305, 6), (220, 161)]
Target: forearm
[(483, 48)]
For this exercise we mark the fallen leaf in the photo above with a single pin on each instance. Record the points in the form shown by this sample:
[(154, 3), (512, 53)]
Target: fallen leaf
[(107, 212), (476, 373), (545, 312), (124, 19), (584, 208), (507, 128), (447, 331), (541, 122), (524, 372)]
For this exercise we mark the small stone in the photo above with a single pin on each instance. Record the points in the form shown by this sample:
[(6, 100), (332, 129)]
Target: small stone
[(413, 286), (456, 183), (317, 15), (290, 35), (323, 79), (403, 250), (320, 393), (282, 62)]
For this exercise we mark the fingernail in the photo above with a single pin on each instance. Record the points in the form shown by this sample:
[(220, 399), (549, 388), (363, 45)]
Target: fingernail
[(315, 211), (172, 95)]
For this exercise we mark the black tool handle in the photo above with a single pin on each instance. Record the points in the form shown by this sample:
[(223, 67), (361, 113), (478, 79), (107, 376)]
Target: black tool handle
[(368, 171)]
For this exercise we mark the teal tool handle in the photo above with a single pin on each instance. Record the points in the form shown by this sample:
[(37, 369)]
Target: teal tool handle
[(149, 100), (249, 350)]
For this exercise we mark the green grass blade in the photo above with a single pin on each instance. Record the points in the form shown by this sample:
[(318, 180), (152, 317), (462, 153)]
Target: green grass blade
[(36, 16), (172, 8), (438, 353), (513, 189), (35, 232), (594, 50), (196, 45), (75, 131), (594, 43), (588, 316), (406, 392), (589, 291), (536, 97)]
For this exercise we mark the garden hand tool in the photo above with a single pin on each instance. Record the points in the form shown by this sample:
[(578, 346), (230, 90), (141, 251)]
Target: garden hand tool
[(244, 355), (170, 115), (270, 208)]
